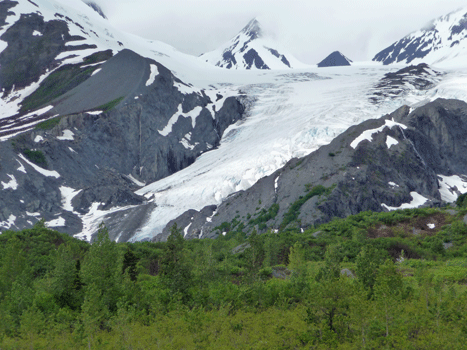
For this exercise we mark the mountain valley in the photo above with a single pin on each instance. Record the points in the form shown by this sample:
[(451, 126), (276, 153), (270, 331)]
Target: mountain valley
[(181, 139)]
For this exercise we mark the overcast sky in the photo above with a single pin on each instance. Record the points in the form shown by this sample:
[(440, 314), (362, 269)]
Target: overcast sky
[(309, 29)]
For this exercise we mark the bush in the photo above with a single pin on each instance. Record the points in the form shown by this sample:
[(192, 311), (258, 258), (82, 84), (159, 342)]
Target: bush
[(48, 124), (36, 157), (462, 200)]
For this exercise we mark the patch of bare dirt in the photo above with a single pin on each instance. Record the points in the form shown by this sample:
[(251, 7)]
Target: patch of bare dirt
[(421, 226)]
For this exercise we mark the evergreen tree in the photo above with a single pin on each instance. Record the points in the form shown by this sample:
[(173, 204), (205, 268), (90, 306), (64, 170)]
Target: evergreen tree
[(102, 267), (175, 271)]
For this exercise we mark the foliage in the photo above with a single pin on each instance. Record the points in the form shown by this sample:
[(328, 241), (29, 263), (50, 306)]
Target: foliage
[(110, 105), (462, 200), (36, 157), (281, 290), (63, 80), (265, 216), (48, 124), (294, 210)]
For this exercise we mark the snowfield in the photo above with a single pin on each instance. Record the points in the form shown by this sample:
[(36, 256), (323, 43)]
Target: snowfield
[(289, 115)]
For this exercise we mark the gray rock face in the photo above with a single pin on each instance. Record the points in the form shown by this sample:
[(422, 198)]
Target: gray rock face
[(96, 8), (108, 156), (243, 51), (377, 174), (335, 59), (29, 56), (396, 84), (445, 33)]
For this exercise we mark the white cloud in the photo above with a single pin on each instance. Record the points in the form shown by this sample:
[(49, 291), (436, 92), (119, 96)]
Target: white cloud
[(310, 29)]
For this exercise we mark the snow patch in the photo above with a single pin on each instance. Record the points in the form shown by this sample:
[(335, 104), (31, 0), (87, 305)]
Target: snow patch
[(390, 141), (39, 111), (96, 71), (40, 170), (10, 184), (72, 150), (368, 134), (21, 167), (67, 136), (68, 194), (3, 45), (193, 114), (36, 33), (60, 222), (38, 138), (91, 65), (449, 185), (33, 214), (93, 219), (95, 112), (153, 75), (417, 201), (185, 231), (9, 223), (276, 183), (431, 226), (186, 142), (139, 183), (393, 184)]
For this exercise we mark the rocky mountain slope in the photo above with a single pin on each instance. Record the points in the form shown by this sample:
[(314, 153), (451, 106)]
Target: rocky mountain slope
[(84, 125), (99, 125), (407, 159), (335, 59), (251, 49), (443, 40)]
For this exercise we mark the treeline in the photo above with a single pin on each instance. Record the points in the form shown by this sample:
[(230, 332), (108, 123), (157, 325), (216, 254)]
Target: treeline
[(372, 281)]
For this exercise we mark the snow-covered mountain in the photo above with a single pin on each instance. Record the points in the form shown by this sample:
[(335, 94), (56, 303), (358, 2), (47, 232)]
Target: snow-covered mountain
[(100, 125), (96, 8), (251, 49), (442, 41), (89, 114)]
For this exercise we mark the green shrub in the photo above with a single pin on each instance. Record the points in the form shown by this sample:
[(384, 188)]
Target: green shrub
[(48, 124), (110, 105), (294, 210), (462, 200), (36, 157)]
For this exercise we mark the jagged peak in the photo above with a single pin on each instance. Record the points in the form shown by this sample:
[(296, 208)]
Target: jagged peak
[(336, 58), (253, 29), (96, 8)]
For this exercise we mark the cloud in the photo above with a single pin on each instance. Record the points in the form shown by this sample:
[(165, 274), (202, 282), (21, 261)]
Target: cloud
[(309, 29)]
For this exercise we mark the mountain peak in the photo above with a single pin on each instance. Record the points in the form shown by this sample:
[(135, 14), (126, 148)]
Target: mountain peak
[(335, 59), (443, 39), (251, 49), (96, 8), (253, 29)]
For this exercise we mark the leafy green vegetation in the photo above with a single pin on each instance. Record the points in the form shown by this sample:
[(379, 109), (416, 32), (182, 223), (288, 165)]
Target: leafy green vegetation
[(371, 281), (294, 210), (265, 215), (110, 105), (48, 124), (36, 157), (63, 80)]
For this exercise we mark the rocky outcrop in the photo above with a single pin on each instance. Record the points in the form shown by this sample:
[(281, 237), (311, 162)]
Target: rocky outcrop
[(159, 126), (381, 164), (251, 49), (401, 82), (33, 45), (335, 59), (442, 40)]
